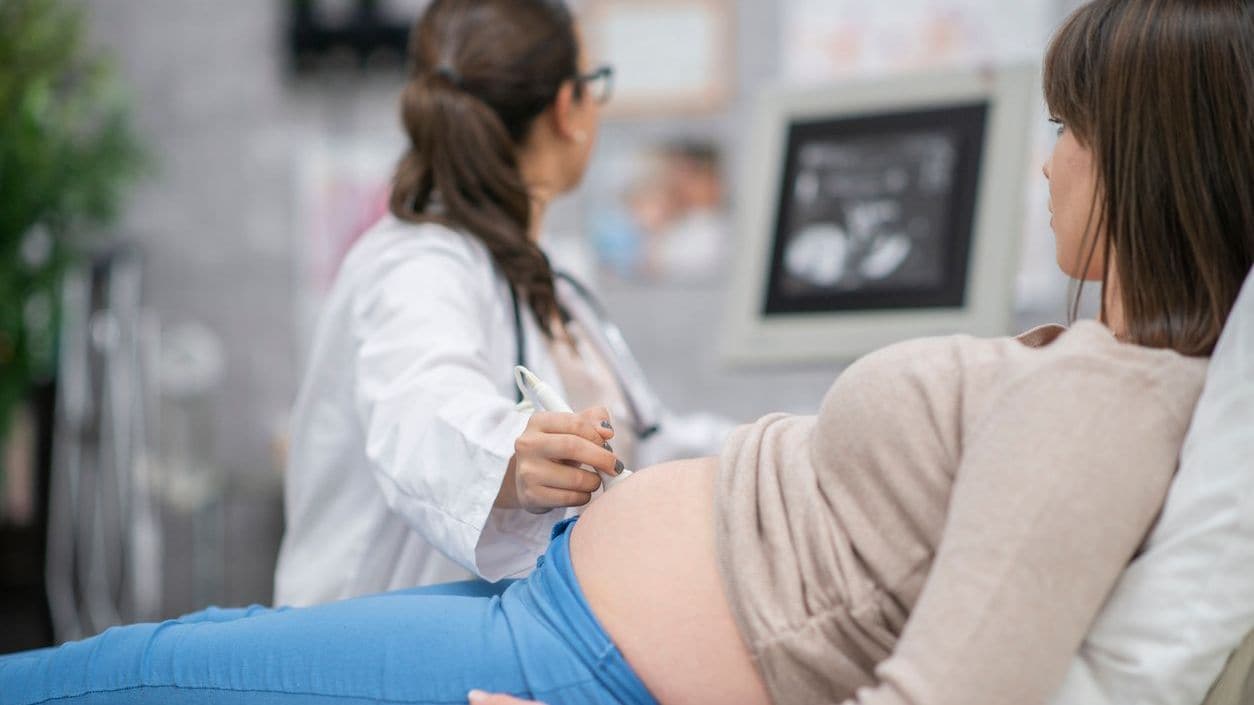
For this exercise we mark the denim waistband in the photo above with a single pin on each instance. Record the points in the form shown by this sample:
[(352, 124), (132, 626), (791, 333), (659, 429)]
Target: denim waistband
[(554, 595)]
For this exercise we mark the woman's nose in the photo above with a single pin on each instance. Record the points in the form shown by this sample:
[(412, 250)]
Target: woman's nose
[(1045, 169)]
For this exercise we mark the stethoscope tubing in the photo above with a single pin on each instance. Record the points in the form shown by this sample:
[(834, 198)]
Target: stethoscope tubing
[(627, 372)]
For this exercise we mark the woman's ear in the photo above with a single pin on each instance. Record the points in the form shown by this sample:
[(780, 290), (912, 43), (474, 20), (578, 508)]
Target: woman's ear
[(565, 109)]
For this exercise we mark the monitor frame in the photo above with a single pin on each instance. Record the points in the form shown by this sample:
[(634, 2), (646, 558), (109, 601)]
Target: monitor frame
[(752, 336)]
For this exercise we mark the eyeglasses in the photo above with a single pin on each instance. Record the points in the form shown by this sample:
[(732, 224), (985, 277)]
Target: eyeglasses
[(599, 83)]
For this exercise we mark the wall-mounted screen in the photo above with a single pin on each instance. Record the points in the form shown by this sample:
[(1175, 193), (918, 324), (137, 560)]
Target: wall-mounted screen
[(877, 211)]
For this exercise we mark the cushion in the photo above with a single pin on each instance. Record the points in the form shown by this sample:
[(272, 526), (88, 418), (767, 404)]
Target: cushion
[(1187, 601)]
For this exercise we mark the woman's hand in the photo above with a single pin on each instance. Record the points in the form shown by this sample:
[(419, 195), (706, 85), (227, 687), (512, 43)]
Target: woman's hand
[(545, 471), (478, 697)]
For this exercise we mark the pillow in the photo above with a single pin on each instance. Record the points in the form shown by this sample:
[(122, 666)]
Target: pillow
[(1187, 601)]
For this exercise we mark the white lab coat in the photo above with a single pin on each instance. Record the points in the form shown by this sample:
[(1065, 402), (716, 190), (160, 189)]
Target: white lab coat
[(406, 421)]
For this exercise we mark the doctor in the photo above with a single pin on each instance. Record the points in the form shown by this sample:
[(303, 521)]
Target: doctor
[(410, 463)]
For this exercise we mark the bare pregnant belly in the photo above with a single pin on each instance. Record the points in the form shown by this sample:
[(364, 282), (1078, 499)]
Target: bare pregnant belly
[(644, 557)]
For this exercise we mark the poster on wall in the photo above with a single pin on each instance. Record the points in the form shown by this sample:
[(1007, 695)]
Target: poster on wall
[(657, 211), (836, 39)]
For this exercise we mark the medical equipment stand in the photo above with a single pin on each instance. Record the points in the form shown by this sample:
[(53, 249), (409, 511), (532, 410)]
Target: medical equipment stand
[(104, 541)]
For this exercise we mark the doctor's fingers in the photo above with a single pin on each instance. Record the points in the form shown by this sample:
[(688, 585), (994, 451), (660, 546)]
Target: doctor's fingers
[(599, 417), (547, 485), (584, 426), (547, 498), (580, 452), (559, 476), (561, 446)]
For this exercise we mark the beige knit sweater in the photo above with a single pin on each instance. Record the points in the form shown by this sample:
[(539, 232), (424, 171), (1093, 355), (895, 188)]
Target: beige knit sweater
[(947, 527)]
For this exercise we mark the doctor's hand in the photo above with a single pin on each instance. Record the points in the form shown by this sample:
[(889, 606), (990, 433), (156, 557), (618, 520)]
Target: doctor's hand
[(545, 471)]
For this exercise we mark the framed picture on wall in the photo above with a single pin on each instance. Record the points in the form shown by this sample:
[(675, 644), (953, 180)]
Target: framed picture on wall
[(881, 210), (671, 57)]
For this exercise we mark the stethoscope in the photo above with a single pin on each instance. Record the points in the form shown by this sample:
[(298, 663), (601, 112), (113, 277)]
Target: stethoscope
[(578, 303)]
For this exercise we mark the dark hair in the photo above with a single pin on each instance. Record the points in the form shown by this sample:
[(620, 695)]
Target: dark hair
[(481, 72), (1160, 91)]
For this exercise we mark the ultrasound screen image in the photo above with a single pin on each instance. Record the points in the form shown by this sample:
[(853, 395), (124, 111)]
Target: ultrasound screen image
[(877, 212)]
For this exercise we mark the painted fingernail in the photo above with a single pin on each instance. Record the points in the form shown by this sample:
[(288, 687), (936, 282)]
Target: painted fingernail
[(607, 447), (476, 696), (619, 467), (606, 425)]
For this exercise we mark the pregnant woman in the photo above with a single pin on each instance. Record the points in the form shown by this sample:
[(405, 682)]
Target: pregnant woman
[(944, 529)]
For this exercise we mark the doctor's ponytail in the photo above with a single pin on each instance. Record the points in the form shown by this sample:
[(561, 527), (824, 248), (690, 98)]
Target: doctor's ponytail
[(481, 72)]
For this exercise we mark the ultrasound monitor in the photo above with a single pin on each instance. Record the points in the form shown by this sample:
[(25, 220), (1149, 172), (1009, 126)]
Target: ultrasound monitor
[(877, 211)]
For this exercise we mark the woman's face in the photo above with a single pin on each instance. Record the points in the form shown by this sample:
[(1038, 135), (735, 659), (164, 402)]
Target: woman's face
[(1072, 197)]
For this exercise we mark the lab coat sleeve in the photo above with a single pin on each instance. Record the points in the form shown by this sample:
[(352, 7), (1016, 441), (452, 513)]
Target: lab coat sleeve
[(439, 435)]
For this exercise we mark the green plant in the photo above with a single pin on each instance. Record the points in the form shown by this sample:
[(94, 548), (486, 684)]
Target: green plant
[(67, 151)]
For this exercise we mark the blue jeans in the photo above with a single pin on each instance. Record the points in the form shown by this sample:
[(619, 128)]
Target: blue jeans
[(536, 639)]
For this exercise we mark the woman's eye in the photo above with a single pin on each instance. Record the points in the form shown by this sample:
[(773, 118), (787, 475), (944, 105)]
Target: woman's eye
[(1061, 127)]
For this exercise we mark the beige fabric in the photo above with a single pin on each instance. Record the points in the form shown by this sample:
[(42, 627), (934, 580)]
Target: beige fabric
[(949, 524), (1236, 684)]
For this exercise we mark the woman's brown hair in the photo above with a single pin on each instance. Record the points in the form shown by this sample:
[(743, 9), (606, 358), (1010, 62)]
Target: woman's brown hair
[(1161, 92), (481, 72)]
